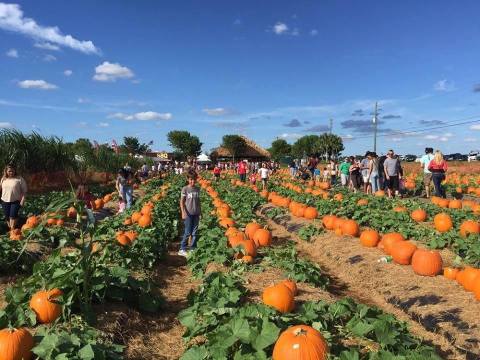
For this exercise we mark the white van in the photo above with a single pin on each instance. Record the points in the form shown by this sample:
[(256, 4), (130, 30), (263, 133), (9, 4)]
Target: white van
[(473, 155)]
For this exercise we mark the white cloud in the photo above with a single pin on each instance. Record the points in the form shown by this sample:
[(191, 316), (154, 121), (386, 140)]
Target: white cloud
[(6, 125), (443, 138), (36, 84), (49, 58), (444, 85), (280, 28), (217, 111), (13, 53), (82, 124), (103, 124), (142, 116), (295, 32), (82, 100), (12, 19), (314, 32), (47, 46), (290, 136), (475, 127), (68, 72), (111, 72), (470, 139), (431, 137)]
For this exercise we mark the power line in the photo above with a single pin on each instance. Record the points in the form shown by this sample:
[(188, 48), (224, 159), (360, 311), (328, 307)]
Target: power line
[(417, 129)]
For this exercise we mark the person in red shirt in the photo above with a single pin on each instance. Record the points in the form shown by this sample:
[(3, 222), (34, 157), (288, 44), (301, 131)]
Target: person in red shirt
[(216, 172), (438, 168), (242, 170)]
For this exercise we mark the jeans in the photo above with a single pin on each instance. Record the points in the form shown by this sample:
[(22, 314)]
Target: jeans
[(127, 196), (243, 177), (191, 227), (375, 183), (10, 209), (333, 180), (437, 179)]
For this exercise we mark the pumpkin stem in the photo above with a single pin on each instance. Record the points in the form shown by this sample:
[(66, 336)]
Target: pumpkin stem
[(300, 332)]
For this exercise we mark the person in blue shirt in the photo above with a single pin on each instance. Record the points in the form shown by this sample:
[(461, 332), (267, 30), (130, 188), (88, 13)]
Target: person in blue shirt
[(427, 174)]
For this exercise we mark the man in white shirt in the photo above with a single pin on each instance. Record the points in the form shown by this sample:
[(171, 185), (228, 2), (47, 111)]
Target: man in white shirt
[(427, 175)]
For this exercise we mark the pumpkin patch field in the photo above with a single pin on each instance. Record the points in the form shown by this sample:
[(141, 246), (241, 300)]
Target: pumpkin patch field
[(296, 272)]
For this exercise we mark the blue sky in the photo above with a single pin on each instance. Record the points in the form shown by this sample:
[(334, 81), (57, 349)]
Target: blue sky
[(265, 69)]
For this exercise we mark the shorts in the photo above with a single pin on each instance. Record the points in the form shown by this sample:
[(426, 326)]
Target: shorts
[(365, 179), (427, 179), (393, 183), (11, 209)]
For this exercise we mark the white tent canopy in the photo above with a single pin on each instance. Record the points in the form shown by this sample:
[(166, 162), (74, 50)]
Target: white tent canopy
[(203, 158)]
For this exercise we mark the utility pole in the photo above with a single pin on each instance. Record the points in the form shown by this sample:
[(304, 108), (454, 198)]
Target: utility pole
[(375, 121), (331, 126)]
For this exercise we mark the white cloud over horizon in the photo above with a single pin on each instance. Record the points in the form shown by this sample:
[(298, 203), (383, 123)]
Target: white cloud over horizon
[(36, 84), (6, 125), (280, 28), (444, 85), (13, 19), (68, 72), (475, 127), (110, 72), (141, 116), (46, 46)]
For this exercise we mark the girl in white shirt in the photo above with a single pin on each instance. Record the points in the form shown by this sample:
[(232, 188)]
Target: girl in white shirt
[(14, 190), (264, 174)]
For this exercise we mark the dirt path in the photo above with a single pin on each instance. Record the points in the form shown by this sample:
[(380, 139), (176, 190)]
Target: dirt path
[(157, 336), (438, 310)]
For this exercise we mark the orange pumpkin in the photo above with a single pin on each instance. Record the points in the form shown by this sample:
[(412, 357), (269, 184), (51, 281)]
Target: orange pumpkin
[(127, 221), (231, 231), (419, 215), (251, 228), (136, 216), (442, 222), (16, 234), (32, 221), (262, 237), (45, 306), (455, 204), (226, 222), (469, 227), (400, 209), (145, 221), (338, 197), (123, 239), (310, 213), (16, 344), (476, 289), (380, 193), (72, 212), (236, 238), (369, 238), (350, 228), (362, 202), (300, 342), (249, 247), (427, 262), (247, 259), (389, 241), (329, 222), (468, 277), (280, 297), (402, 252), (450, 273), (98, 204)]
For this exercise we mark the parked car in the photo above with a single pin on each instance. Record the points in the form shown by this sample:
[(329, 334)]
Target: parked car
[(473, 155), (410, 158)]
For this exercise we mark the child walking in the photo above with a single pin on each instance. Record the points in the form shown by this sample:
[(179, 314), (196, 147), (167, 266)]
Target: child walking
[(191, 211)]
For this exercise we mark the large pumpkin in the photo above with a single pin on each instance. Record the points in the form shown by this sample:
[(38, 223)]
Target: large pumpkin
[(251, 228), (310, 213), (16, 344), (45, 306), (145, 221), (469, 227), (350, 228), (402, 252), (249, 247), (442, 222), (236, 238), (329, 222), (262, 237), (427, 262), (419, 215), (300, 342), (136, 216), (468, 277), (369, 238), (389, 240), (226, 222), (279, 297)]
